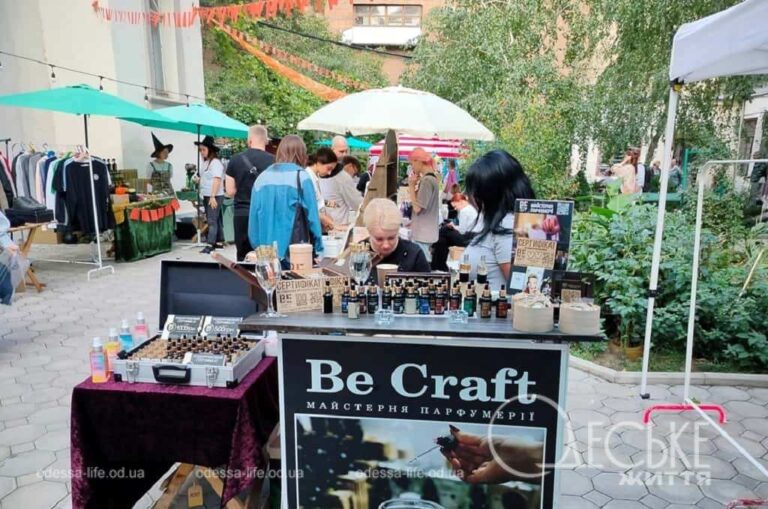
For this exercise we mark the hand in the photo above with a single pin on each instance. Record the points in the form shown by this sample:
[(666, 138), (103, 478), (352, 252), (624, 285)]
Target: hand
[(450, 225), (413, 179), (196, 179), (13, 249), (212, 202), (473, 461)]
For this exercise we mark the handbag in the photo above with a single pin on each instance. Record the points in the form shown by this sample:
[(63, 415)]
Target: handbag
[(301, 234)]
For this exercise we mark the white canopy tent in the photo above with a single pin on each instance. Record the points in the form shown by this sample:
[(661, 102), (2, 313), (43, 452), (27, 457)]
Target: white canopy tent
[(728, 43)]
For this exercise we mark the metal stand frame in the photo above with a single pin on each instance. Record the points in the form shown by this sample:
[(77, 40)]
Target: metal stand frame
[(199, 242), (97, 260)]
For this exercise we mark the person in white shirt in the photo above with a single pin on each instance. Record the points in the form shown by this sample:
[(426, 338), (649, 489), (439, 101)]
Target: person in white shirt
[(212, 190), (320, 165), (455, 235)]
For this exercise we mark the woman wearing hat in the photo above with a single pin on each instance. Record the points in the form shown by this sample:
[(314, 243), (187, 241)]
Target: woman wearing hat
[(159, 169), (212, 188)]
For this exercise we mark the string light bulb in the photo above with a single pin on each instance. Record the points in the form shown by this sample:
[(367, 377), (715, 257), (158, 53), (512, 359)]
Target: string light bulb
[(146, 95), (101, 83), (187, 95), (53, 74)]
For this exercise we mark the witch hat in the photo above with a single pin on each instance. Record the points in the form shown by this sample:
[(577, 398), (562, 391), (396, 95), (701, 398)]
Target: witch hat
[(159, 146)]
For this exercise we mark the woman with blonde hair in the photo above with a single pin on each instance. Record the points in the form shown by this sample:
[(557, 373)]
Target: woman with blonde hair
[(278, 193), (382, 220)]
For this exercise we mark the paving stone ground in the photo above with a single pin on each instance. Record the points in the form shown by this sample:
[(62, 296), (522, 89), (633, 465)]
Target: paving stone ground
[(612, 461)]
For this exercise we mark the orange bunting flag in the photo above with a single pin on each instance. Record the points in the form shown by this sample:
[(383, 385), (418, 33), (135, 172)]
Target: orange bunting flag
[(272, 6), (135, 213), (175, 204), (145, 216), (160, 212)]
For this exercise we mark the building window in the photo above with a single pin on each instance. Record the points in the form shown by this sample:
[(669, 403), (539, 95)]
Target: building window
[(388, 15), (156, 70)]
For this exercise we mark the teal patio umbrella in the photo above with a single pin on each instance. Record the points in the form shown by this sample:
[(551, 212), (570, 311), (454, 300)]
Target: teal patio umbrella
[(353, 143), (202, 120), (83, 100)]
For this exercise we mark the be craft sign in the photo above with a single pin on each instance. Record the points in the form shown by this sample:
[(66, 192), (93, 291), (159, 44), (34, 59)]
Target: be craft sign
[(419, 422)]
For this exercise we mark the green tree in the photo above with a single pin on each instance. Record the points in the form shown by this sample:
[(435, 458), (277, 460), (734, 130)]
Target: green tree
[(498, 60), (627, 103)]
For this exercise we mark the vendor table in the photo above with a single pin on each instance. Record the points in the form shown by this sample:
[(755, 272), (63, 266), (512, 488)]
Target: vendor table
[(405, 325), (355, 378), (141, 237), (24, 247), (126, 431)]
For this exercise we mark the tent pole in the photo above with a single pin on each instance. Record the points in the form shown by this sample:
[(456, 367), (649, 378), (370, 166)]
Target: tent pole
[(85, 124), (669, 134), (199, 196), (694, 282)]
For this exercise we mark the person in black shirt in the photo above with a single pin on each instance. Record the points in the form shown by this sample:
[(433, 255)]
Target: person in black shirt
[(382, 219), (241, 173)]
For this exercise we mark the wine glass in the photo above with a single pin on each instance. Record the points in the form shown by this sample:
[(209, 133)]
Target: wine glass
[(268, 271), (360, 265)]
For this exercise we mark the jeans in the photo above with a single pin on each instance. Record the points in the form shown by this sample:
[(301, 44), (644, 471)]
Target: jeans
[(6, 289), (242, 242), (213, 218), (425, 247)]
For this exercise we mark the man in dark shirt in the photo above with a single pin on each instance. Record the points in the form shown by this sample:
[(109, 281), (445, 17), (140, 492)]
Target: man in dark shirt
[(242, 171)]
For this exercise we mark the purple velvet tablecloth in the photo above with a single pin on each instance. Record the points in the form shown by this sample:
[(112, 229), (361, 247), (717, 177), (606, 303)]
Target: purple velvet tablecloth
[(122, 431)]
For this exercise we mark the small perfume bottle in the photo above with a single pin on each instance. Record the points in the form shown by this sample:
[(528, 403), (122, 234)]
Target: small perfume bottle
[(502, 305), (386, 297), (345, 299), (485, 303), (423, 301), (464, 269), (141, 329), (126, 338), (98, 362), (454, 303), (328, 299), (398, 302), (411, 301), (353, 307), (482, 271), (373, 299), (441, 298)]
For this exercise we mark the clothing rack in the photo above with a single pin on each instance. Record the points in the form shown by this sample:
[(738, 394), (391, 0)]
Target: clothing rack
[(96, 259)]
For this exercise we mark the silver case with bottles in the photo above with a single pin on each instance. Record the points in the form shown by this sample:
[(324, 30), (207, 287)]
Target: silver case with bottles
[(162, 371)]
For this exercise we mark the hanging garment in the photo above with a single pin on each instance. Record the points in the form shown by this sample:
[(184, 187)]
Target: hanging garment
[(79, 199), (22, 186), (6, 181)]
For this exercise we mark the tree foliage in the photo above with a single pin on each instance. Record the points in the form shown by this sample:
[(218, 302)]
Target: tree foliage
[(241, 86), (630, 43), (498, 61)]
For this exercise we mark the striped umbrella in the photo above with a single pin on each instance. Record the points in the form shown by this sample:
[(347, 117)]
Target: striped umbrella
[(446, 149)]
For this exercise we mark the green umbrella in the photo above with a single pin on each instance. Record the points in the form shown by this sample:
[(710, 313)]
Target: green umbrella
[(353, 143), (199, 119), (82, 100), (202, 120)]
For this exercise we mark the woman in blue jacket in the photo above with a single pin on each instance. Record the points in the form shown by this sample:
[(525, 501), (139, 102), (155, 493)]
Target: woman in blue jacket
[(275, 197)]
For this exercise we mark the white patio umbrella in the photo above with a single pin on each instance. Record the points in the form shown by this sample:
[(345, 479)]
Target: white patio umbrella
[(403, 110), (727, 43)]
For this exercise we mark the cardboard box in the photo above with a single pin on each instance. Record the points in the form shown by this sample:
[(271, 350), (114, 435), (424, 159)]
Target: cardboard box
[(304, 291), (47, 235)]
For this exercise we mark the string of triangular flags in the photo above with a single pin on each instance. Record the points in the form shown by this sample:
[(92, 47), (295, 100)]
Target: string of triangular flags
[(318, 89), (295, 61), (186, 18)]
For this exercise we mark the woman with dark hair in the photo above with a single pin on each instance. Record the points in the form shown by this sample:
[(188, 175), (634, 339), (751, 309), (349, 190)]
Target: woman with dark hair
[(493, 183), (320, 165), (275, 198), (212, 190)]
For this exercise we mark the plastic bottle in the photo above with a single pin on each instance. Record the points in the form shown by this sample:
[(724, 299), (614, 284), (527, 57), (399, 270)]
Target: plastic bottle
[(111, 349), (98, 360), (141, 329), (126, 338)]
